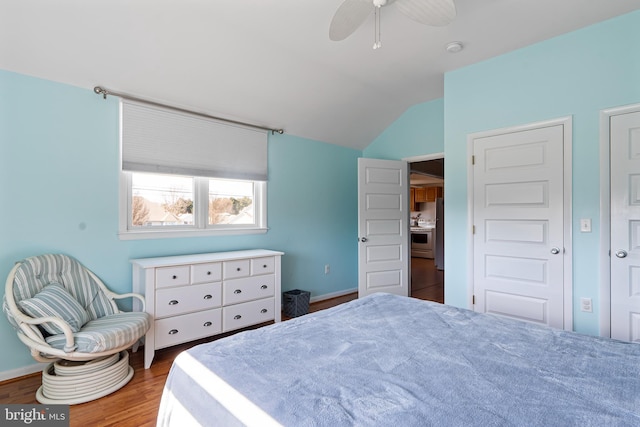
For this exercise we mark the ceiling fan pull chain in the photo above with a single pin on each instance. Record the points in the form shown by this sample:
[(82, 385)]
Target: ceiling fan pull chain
[(376, 35)]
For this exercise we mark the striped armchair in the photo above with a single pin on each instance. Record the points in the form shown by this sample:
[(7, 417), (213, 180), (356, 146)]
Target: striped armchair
[(64, 314)]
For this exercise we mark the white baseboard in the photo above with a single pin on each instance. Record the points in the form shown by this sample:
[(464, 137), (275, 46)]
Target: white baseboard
[(20, 372), (333, 295)]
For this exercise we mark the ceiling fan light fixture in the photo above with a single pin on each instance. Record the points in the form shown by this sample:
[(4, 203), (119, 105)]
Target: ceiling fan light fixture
[(454, 47), (352, 13), (377, 44)]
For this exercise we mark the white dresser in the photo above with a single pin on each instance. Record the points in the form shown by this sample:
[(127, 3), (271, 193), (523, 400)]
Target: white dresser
[(196, 296)]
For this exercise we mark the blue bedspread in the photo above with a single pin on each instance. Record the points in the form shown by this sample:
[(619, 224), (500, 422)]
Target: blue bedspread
[(386, 360)]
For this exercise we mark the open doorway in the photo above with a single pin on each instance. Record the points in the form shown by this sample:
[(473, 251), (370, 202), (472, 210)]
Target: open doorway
[(427, 228)]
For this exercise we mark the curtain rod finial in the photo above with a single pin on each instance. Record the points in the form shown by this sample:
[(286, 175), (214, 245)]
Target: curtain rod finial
[(100, 91)]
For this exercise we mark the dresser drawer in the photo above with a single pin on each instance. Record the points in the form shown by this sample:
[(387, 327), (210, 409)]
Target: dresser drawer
[(172, 276), (264, 265), (239, 268), (249, 288), (188, 327), (248, 313), (185, 299), (204, 273)]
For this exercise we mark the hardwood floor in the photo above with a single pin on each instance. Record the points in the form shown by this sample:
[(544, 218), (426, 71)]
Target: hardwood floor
[(136, 404), (427, 282)]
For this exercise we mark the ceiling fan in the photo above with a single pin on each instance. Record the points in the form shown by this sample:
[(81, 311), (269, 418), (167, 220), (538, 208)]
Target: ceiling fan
[(352, 13)]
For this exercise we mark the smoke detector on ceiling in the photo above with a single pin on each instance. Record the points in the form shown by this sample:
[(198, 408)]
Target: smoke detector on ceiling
[(454, 47)]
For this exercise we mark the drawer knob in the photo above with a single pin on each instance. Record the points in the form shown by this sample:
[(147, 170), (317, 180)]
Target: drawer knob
[(264, 310), (173, 302), (237, 291), (208, 273), (173, 332), (263, 287), (208, 297), (238, 269), (264, 265), (207, 324), (237, 316), (175, 277)]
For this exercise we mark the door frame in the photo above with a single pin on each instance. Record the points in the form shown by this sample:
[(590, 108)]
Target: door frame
[(567, 123), (413, 159), (605, 213)]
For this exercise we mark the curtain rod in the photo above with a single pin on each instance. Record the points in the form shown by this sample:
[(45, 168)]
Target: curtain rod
[(102, 91)]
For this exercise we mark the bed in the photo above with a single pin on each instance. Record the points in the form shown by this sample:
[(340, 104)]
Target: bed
[(386, 360)]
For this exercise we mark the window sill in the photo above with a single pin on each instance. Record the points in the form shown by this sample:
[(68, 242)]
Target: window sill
[(170, 234)]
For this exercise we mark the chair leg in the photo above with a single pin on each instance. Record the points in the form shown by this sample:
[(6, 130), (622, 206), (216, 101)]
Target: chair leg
[(70, 383)]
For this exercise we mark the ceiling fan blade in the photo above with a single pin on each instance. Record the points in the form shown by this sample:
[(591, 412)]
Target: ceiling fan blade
[(349, 16), (437, 13)]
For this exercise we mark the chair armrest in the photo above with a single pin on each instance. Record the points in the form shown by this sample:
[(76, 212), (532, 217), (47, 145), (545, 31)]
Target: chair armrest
[(24, 320), (112, 295), (129, 295)]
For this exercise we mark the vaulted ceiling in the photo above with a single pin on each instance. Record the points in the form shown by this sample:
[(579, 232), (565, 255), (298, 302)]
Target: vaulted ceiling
[(271, 62)]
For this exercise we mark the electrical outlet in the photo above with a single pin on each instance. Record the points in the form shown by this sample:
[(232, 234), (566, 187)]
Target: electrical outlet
[(585, 305), (327, 269)]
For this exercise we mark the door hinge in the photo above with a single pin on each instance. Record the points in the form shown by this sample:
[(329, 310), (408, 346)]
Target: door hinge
[(473, 229), (473, 300), (473, 160)]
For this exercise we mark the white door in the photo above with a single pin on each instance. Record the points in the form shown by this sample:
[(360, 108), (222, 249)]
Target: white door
[(518, 211), (625, 226), (383, 229)]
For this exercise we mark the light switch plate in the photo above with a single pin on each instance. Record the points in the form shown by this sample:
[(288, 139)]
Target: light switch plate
[(585, 225)]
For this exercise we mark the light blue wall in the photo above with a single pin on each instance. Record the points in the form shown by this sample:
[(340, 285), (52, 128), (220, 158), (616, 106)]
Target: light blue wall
[(59, 187), (576, 74), (419, 131)]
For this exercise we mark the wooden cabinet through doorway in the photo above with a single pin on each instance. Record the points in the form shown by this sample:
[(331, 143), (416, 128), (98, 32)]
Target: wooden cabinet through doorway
[(432, 193), (412, 199), (421, 194)]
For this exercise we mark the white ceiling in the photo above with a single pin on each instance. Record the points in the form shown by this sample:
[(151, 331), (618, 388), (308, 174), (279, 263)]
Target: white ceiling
[(271, 62)]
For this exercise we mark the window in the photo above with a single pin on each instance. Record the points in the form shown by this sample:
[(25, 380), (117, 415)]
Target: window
[(231, 202), (161, 200), (185, 175), (162, 205)]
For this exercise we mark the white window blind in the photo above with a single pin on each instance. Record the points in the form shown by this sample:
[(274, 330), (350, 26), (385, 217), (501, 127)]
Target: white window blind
[(161, 140)]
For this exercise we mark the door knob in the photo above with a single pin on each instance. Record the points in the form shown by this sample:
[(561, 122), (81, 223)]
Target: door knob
[(621, 253), (555, 251), (364, 239)]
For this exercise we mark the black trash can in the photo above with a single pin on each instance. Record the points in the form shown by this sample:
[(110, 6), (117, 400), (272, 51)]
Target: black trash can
[(295, 303)]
